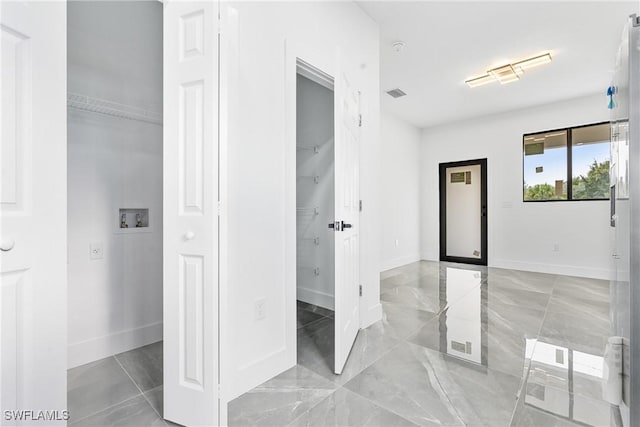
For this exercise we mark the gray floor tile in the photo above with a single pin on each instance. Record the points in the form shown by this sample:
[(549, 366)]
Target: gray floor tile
[(280, 400), (144, 365), (582, 288), (518, 297), (344, 408), (452, 348), (430, 388), (316, 351), (304, 317), (96, 386), (400, 322), (494, 333), (575, 304), (544, 405), (315, 309), (525, 280), (155, 399), (395, 280), (425, 299), (530, 416), (587, 334), (135, 412), (413, 269), (568, 370)]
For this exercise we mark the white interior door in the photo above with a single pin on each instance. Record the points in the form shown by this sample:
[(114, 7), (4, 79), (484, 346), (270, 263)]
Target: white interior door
[(347, 194), (191, 358), (33, 209)]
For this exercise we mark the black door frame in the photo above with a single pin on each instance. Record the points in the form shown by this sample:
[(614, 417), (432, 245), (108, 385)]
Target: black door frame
[(483, 209)]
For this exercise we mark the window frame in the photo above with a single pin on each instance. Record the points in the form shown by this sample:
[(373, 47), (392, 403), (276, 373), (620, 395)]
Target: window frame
[(569, 130)]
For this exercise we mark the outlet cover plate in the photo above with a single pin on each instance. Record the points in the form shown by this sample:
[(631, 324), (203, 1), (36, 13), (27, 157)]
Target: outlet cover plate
[(96, 251), (260, 309)]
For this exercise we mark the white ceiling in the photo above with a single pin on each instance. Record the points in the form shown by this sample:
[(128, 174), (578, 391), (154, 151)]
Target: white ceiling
[(449, 42)]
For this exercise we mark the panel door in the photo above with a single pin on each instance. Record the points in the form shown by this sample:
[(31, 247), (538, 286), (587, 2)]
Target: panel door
[(347, 199), (33, 310), (190, 231)]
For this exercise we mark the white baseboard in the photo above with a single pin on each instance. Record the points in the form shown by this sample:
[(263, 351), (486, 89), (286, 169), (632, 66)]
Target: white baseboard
[(567, 270), (370, 316), (400, 261), (98, 348), (429, 257), (312, 296), (254, 373), (538, 267)]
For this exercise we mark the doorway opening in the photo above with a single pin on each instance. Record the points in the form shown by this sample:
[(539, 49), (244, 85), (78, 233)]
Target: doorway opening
[(115, 210), (463, 212), (315, 215)]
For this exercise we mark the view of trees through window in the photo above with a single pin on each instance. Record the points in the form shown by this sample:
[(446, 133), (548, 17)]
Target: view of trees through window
[(569, 164)]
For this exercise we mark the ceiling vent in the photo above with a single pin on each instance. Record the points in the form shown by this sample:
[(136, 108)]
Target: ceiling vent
[(396, 93)]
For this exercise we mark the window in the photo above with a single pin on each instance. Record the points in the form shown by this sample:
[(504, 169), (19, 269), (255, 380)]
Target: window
[(567, 164), (545, 166), (590, 162)]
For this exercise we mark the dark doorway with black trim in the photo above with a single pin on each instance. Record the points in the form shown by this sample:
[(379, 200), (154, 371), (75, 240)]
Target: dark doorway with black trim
[(463, 211)]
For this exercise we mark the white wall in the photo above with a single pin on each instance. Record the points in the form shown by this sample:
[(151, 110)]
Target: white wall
[(314, 127), (521, 235), (400, 191), (115, 303), (261, 173)]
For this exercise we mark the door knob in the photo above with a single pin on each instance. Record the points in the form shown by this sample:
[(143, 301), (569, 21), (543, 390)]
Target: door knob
[(345, 225), (189, 235), (7, 244)]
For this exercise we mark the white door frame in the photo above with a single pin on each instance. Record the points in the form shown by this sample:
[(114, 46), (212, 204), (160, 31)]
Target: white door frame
[(327, 63)]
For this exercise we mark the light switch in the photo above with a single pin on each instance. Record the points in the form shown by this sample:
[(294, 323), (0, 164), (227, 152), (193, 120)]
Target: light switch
[(95, 250)]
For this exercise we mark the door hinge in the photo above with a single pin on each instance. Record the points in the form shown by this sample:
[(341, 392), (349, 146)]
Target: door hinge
[(360, 205), (219, 207), (360, 120), (360, 289)]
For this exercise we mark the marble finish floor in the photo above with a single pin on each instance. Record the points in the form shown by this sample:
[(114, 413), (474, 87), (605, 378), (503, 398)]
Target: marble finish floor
[(121, 390), (458, 345)]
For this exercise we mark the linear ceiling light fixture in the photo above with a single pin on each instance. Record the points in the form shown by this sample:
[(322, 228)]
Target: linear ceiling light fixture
[(510, 72)]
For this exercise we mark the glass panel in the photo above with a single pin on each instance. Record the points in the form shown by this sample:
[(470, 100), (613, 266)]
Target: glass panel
[(590, 162), (545, 166), (464, 203)]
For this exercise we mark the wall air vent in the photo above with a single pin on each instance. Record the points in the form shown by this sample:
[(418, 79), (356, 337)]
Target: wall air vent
[(396, 93)]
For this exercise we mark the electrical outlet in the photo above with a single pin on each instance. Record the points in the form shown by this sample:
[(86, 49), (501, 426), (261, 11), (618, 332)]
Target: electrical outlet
[(556, 247), (260, 309), (96, 251)]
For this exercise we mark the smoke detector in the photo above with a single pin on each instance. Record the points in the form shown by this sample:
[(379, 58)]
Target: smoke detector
[(398, 45), (396, 93)]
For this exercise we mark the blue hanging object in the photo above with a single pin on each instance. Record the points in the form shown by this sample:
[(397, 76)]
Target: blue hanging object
[(611, 90)]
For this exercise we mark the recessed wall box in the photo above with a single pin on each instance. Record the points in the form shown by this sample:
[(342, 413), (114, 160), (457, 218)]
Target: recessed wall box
[(133, 218)]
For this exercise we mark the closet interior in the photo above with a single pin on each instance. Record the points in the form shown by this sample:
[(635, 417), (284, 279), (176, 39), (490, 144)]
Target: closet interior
[(114, 180), (315, 193)]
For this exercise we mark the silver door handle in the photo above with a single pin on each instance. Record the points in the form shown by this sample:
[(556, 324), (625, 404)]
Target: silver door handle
[(7, 244)]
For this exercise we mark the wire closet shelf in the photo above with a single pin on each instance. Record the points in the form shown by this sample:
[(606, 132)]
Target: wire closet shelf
[(102, 106)]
